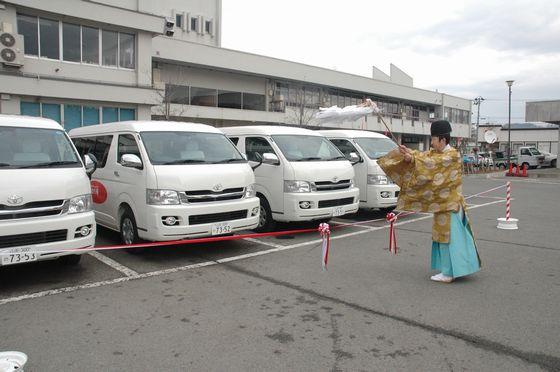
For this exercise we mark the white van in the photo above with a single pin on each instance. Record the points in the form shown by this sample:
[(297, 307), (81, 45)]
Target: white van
[(377, 191), (300, 175), (162, 181), (45, 194)]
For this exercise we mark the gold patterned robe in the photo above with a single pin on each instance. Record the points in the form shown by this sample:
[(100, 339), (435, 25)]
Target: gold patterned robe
[(431, 182)]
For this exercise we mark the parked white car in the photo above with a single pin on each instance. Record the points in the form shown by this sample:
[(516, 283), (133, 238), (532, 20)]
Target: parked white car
[(45, 194), (549, 159), (162, 181), (300, 174), (377, 191), (531, 157)]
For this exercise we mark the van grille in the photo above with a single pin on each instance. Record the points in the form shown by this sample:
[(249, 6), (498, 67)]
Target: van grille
[(32, 209), (217, 217), (208, 196), (33, 238), (335, 202), (329, 186)]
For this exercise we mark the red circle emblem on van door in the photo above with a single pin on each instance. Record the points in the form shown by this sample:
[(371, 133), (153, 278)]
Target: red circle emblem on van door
[(98, 192)]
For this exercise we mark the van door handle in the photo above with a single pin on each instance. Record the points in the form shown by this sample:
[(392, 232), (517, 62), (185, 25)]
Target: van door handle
[(116, 173)]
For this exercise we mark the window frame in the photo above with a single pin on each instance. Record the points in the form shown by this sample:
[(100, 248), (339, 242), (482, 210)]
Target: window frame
[(100, 30)]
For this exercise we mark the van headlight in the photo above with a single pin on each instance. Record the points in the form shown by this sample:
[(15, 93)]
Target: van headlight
[(79, 204), (377, 179), (297, 186), (162, 197), (250, 191)]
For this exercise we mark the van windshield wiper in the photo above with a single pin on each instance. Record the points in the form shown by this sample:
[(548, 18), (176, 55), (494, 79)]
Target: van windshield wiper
[(233, 160), (50, 163), (4, 165), (309, 158), (338, 158), (185, 161)]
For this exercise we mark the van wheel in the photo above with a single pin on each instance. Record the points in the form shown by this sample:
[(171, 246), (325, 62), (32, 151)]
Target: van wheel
[(525, 165), (70, 260), (553, 164), (266, 223), (129, 232)]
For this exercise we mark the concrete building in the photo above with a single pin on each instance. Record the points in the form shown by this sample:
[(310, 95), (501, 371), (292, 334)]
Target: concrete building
[(548, 111), (82, 62), (543, 136)]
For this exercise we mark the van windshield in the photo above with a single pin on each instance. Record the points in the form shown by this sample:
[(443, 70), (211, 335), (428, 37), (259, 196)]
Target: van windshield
[(376, 147), (36, 148), (172, 148), (307, 148)]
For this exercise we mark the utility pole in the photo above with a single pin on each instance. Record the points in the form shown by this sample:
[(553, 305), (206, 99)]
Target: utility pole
[(477, 101), (509, 83)]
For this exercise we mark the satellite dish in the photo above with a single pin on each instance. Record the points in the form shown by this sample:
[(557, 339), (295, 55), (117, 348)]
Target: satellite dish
[(490, 137)]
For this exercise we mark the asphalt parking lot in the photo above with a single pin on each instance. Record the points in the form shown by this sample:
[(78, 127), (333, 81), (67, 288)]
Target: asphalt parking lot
[(266, 304)]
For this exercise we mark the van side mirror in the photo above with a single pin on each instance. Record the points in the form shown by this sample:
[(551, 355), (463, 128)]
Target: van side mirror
[(354, 158), (131, 161), (270, 158), (90, 163)]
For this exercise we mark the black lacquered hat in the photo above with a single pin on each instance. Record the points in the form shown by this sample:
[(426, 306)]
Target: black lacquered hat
[(440, 127)]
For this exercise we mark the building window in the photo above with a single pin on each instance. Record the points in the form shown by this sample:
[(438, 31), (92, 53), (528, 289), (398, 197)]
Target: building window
[(48, 31), (229, 99), (110, 114), (72, 117), (203, 97), (127, 114), (178, 20), (253, 102), (51, 111), (90, 45), (91, 115), (79, 43), (176, 94), (71, 42), (110, 42), (30, 108), (27, 26), (194, 24), (126, 47), (208, 27)]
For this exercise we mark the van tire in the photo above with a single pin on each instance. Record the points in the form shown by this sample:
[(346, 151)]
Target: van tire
[(70, 260), (266, 223), (553, 164), (129, 231), (525, 165)]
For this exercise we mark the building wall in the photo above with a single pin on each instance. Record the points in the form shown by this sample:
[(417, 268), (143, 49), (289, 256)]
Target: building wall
[(543, 139), (548, 111), (57, 81)]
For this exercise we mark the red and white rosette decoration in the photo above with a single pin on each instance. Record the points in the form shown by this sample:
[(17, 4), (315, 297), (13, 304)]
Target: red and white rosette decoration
[(392, 218), (508, 197), (325, 232)]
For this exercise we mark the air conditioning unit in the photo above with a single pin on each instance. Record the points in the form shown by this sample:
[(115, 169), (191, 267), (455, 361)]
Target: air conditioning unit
[(11, 49)]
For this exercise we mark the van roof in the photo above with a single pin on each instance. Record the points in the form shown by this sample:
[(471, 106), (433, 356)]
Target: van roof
[(28, 122), (143, 126), (348, 133), (268, 130)]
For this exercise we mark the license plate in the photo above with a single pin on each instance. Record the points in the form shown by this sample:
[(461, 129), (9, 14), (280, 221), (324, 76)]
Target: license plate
[(18, 255), (338, 211), (221, 228)]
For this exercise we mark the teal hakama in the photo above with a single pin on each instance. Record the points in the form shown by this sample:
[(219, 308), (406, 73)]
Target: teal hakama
[(458, 257)]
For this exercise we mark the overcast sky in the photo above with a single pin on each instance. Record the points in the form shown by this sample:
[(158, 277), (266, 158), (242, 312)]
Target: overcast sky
[(465, 48)]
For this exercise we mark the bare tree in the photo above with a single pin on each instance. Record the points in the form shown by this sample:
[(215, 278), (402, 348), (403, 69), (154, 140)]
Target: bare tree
[(167, 109), (303, 105)]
